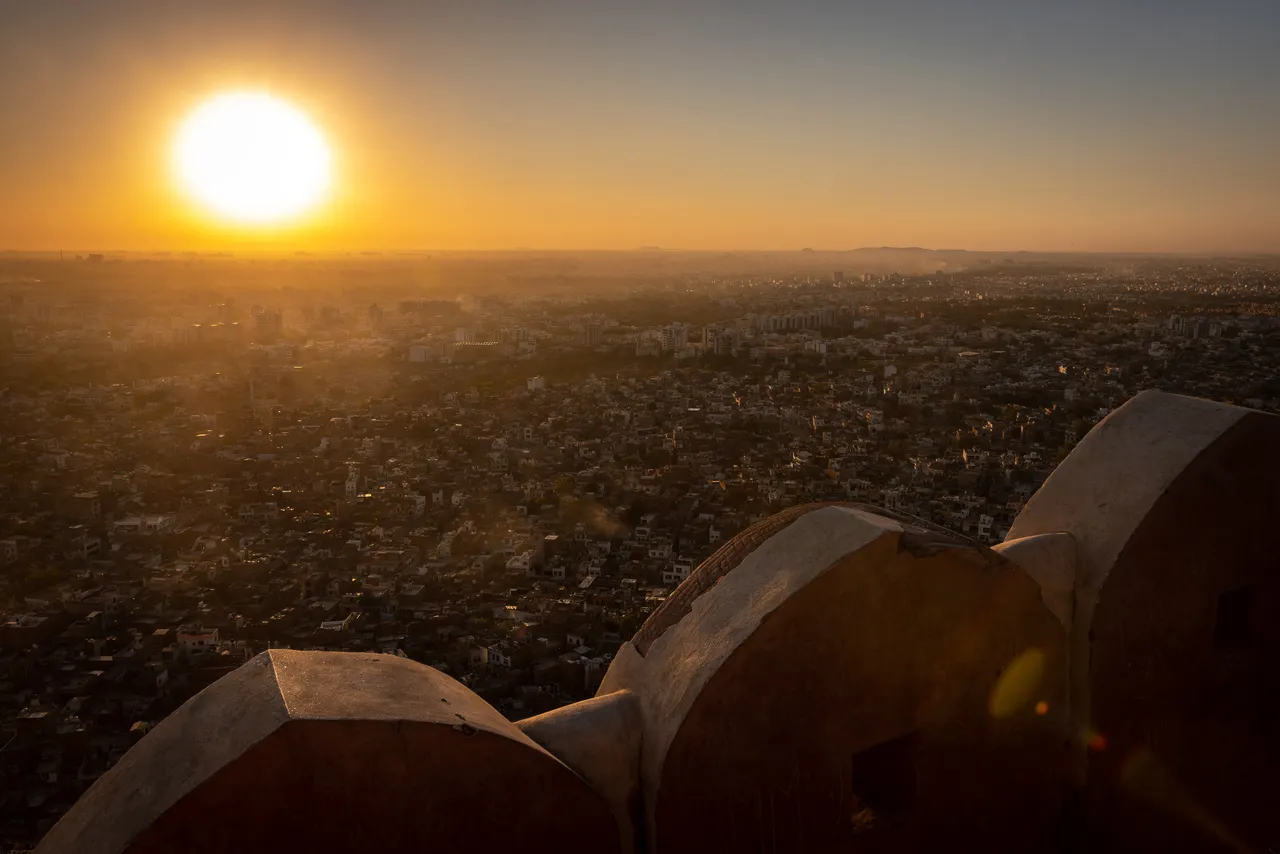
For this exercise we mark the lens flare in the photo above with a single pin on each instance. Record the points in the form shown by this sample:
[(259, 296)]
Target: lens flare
[(1018, 684)]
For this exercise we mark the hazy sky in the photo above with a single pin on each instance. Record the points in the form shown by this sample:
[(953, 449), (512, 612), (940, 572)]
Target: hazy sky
[(1032, 124)]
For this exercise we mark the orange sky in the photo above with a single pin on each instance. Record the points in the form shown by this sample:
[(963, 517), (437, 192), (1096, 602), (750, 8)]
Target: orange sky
[(492, 125)]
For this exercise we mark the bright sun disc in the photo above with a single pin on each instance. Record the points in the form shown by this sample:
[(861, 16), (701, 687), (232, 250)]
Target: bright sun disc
[(252, 157)]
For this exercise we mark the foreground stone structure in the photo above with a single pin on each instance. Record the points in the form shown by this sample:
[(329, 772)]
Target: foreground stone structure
[(328, 751), (824, 682), (833, 679), (1174, 623)]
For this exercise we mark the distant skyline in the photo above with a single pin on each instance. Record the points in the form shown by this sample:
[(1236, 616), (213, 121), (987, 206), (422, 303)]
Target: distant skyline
[(996, 125)]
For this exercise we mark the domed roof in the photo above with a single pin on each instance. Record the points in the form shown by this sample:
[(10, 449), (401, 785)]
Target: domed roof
[(729, 556)]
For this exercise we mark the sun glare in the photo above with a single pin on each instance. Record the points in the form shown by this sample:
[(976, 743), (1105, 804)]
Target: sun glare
[(252, 158)]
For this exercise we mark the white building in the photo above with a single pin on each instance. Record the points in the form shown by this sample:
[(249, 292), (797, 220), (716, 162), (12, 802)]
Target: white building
[(197, 639), (149, 524)]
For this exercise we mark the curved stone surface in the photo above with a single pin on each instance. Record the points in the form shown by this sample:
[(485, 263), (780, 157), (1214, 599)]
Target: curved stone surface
[(831, 689), (1175, 638), (1105, 488), (336, 751), (709, 572), (1052, 561), (600, 740)]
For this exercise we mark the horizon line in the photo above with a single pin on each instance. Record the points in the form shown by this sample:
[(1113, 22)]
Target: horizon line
[(232, 252)]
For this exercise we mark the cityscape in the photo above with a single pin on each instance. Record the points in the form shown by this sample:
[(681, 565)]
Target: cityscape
[(580, 427), (499, 465)]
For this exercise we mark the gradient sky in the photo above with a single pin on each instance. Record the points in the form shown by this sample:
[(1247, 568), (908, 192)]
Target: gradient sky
[(1004, 124)]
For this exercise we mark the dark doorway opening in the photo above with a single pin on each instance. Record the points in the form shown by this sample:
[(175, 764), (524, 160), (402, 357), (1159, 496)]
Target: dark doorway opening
[(884, 782), (1233, 625)]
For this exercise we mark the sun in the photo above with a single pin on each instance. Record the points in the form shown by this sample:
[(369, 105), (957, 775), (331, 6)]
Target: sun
[(252, 158)]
